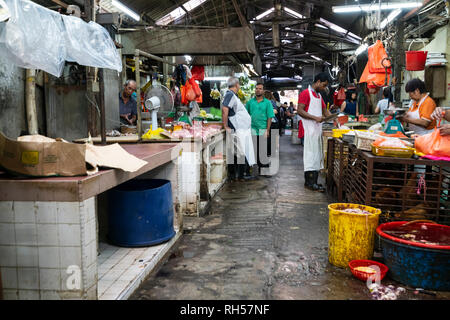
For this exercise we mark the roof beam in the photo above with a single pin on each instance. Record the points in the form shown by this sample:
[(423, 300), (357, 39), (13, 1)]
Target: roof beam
[(239, 13)]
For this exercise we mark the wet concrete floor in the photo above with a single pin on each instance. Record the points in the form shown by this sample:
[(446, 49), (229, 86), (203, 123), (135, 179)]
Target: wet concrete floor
[(262, 239)]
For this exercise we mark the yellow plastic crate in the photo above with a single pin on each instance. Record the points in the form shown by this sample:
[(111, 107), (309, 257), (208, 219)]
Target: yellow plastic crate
[(393, 152), (338, 133)]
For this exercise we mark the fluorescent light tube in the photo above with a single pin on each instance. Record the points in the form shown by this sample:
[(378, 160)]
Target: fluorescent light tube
[(265, 13), (361, 48), (294, 13), (389, 18), (216, 78), (376, 7), (119, 5)]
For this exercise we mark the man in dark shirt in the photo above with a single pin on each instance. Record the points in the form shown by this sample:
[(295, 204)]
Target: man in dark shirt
[(127, 104)]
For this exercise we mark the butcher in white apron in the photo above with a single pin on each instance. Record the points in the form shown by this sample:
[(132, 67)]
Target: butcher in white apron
[(311, 109), (421, 108), (238, 123)]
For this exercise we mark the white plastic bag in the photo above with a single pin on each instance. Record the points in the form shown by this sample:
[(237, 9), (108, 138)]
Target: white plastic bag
[(32, 37), (4, 11), (89, 44), (35, 37)]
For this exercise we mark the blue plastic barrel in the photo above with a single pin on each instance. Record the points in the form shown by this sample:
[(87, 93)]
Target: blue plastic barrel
[(417, 265), (140, 213)]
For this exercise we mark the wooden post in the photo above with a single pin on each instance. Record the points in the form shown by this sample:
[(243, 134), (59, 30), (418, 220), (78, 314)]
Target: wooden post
[(30, 92), (102, 107), (138, 93)]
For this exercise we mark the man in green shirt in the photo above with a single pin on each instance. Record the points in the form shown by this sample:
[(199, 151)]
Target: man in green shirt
[(261, 112)]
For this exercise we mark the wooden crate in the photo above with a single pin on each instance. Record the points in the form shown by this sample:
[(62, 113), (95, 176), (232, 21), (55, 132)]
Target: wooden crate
[(391, 185)]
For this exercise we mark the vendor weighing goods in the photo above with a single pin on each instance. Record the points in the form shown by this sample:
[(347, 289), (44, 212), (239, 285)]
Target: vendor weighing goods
[(394, 125)]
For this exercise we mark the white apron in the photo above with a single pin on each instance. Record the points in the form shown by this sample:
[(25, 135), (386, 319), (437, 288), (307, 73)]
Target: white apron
[(242, 123), (312, 150), (416, 115)]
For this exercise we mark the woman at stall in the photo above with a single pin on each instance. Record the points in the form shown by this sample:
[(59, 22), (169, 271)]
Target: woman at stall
[(421, 108), (350, 105)]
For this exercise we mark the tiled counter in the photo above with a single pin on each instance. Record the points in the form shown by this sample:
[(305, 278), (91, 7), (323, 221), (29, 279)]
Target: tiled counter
[(49, 241)]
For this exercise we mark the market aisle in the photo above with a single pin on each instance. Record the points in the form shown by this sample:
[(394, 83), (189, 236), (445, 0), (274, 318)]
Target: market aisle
[(264, 239)]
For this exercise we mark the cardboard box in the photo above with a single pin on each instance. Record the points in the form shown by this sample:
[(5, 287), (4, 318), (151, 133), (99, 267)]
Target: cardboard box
[(42, 159)]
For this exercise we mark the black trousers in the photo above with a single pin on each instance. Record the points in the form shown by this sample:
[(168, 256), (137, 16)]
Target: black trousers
[(237, 167), (261, 150), (274, 126)]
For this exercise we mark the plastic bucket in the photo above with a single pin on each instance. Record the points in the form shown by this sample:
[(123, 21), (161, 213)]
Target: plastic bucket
[(140, 213), (415, 60), (415, 264), (351, 236), (216, 171), (295, 139)]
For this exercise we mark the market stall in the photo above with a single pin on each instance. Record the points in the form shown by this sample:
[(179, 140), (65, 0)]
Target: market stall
[(55, 224), (410, 188)]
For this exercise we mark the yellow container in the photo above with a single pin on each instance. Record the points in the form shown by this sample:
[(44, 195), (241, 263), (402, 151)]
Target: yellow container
[(393, 152), (351, 236), (337, 133)]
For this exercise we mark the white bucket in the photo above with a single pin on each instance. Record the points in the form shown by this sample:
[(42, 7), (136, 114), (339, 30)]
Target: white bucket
[(294, 137), (216, 171)]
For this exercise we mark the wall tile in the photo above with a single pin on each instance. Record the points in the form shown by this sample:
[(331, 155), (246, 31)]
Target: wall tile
[(47, 234), (10, 294), (9, 278), (50, 279), (24, 212), (49, 295), (91, 275), (27, 256), (68, 212), (90, 230), (8, 256), (69, 234), (26, 234), (49, 257), (7, 234), (90, 207), (90, 254), (28, 278), (70, 256), (46, 212), (6, 212), (28, 294)]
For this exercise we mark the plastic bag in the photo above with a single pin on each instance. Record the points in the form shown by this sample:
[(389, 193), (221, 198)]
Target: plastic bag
[(89, 44), (187, 93), (391, 143), (198, 73), (35, 37), (376, 54), (32, 37), (433, 144), (374, 80), (4, 11), (195, 87)]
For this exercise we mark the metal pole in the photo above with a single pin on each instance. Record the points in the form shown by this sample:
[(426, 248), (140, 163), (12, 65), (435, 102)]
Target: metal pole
[(102, 107), (138, 92), (151, 56)]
